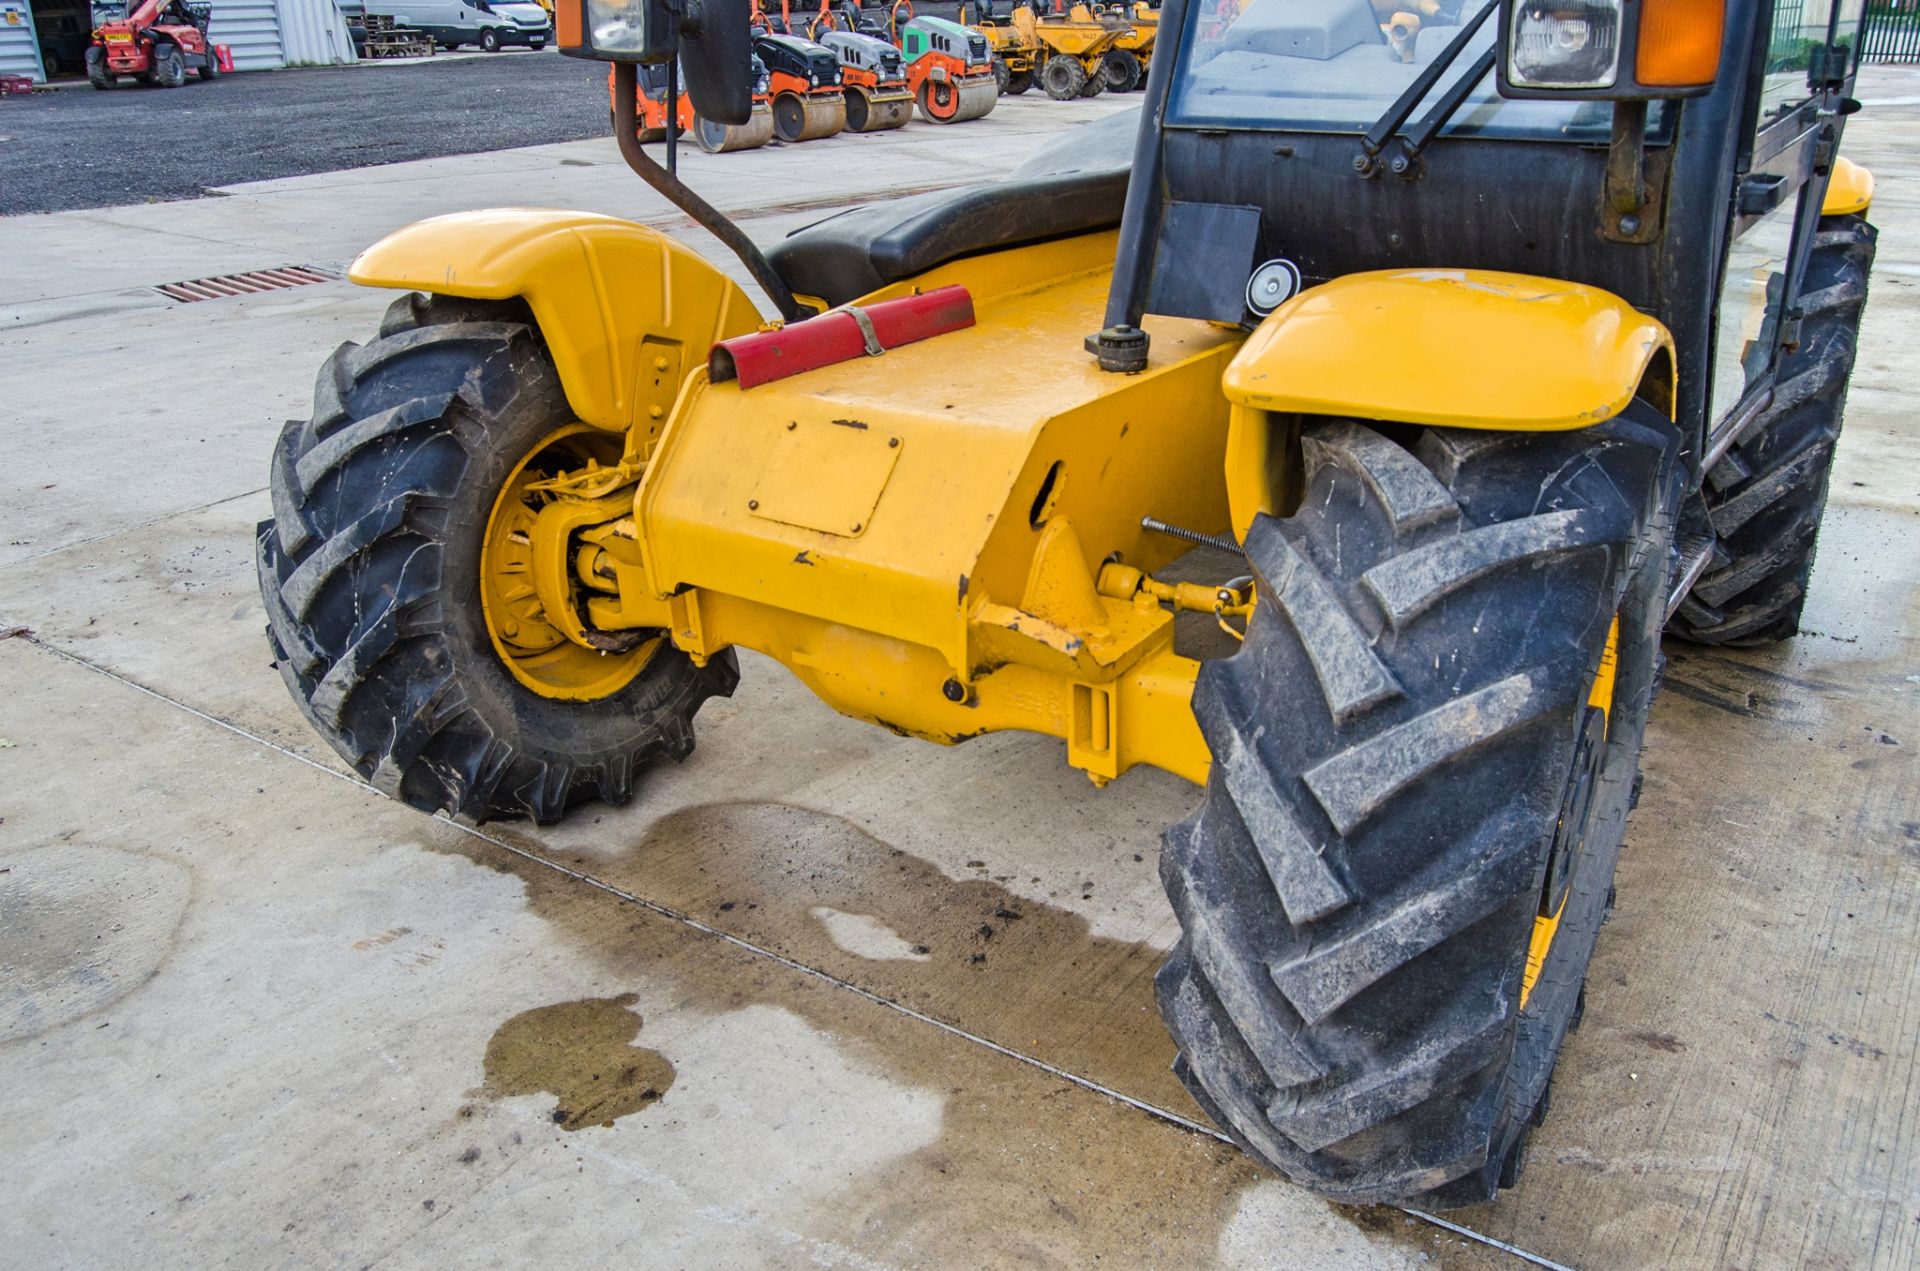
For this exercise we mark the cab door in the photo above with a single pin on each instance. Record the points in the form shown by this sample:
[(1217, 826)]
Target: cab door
[(1799, 92)]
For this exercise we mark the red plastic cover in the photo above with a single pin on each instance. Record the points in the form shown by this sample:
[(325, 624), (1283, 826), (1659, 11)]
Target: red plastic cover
[(839, 335)]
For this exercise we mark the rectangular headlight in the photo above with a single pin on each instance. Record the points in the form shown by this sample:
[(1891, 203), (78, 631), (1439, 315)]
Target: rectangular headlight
[(616, 30), (1564, 44), (618, 27)]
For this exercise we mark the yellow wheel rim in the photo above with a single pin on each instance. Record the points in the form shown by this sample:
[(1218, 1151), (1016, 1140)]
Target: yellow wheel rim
[(535, 651), (1600, 696)]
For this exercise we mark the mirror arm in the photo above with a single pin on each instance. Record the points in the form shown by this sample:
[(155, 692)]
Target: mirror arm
[(626, 133), (1626, 188)]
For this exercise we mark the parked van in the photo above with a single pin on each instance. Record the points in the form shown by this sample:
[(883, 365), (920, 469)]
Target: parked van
[(491, 24)]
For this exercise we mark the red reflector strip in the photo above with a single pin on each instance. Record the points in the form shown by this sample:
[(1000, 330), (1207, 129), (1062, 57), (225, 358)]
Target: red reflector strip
[(247, 284), (839, 335)]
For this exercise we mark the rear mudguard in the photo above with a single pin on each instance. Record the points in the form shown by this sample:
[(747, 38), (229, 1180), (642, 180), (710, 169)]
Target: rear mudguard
[(626, 312), (1463, 348)]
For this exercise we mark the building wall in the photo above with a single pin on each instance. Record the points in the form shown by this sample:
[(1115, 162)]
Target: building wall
[(19, 47), (313, 32), (251, 28)]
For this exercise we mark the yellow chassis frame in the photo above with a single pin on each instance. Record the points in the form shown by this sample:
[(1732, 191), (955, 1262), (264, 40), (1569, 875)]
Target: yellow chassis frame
[(946, 540)]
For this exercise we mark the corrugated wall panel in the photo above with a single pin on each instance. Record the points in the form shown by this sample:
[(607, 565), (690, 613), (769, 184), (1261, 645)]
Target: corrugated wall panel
[(313, 32), (252, 29), (19, 48)]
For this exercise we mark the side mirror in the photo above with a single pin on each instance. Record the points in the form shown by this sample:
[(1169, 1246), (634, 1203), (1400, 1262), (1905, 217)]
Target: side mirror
[(712, 39), (716, 52)]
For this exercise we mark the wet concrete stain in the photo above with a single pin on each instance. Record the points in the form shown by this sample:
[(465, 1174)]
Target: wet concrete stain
[(1025, 974), (583, 1054), (1736, 688), (1038, 1170), (82, 926)]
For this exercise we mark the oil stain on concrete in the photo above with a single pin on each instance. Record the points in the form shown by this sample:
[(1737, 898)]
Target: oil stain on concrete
[(1037, 1169), (583, 1054), (969, 952)]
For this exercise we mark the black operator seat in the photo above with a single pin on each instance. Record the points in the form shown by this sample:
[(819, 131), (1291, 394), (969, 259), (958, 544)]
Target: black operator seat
[(1074, 184)]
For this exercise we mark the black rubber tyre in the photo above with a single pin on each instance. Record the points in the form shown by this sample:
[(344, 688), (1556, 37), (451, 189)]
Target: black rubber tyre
[(209, 68), (169, 67), (97, 73), (1018, 82), (1063, 78), (1096, 83), (1768, 492), (370, 574), (489, 41), (1394, 745), (1002, 74), (1121, 70)]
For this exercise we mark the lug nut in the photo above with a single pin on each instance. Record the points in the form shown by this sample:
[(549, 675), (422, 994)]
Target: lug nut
[(954, 690)]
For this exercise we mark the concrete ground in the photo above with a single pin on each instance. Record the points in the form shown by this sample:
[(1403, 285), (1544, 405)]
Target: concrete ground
[(251, 1013)]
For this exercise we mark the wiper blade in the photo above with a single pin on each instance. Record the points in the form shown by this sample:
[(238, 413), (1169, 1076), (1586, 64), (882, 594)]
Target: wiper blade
[(1404, 105)]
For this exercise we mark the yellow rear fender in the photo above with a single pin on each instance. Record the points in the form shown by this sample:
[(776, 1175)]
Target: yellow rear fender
[(626, 312), (1849, 190), (1461, 348)]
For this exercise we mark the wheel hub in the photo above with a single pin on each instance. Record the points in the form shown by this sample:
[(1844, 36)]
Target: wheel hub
[(1576, 812), (529, 639)]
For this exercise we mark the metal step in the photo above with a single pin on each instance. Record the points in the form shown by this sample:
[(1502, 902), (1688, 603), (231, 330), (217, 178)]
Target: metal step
[(1693, 553)]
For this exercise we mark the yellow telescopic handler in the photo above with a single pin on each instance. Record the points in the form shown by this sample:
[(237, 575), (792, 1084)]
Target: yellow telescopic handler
[(1466, 356)]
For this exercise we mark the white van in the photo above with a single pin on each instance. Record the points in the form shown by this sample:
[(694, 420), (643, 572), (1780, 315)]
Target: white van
[(491, 24)]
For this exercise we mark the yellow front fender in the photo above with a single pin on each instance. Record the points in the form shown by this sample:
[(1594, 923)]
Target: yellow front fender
[(1464, 348), (1849, 190), (626, 312)]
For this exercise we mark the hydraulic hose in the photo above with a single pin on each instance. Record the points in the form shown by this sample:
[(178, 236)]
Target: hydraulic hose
[(626, 133)]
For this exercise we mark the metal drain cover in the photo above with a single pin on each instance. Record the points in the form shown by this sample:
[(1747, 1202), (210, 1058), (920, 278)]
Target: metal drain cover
[(246, 284)]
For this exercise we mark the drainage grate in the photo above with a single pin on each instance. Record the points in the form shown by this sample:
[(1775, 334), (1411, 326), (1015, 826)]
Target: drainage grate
[(244, 284)]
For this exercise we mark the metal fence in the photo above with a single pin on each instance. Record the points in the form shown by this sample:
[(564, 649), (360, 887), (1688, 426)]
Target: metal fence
[(1892, 32)]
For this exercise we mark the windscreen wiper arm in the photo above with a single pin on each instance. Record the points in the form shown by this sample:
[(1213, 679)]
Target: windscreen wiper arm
[(1396, 115), (1449, 105)]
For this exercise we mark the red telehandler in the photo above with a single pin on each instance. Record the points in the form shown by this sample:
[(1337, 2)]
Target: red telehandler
[(155, 41)]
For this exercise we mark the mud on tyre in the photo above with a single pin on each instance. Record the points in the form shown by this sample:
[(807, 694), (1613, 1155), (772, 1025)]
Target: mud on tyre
[(1402, 747), (370, 572)]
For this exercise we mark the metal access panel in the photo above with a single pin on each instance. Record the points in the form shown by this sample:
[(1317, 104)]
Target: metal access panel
[(251, 28), (19, 45), (1201, 263)]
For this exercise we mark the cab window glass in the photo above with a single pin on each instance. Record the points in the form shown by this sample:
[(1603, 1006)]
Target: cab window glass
[(1799, 37), (1849, 18), (1750, 302)]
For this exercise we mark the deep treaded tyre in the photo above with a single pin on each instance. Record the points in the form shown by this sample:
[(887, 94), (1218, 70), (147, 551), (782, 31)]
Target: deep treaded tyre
[(1121, 71), (1404, 728), (370, 570), (97, 73), (1767, 494), (1063, 78)]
